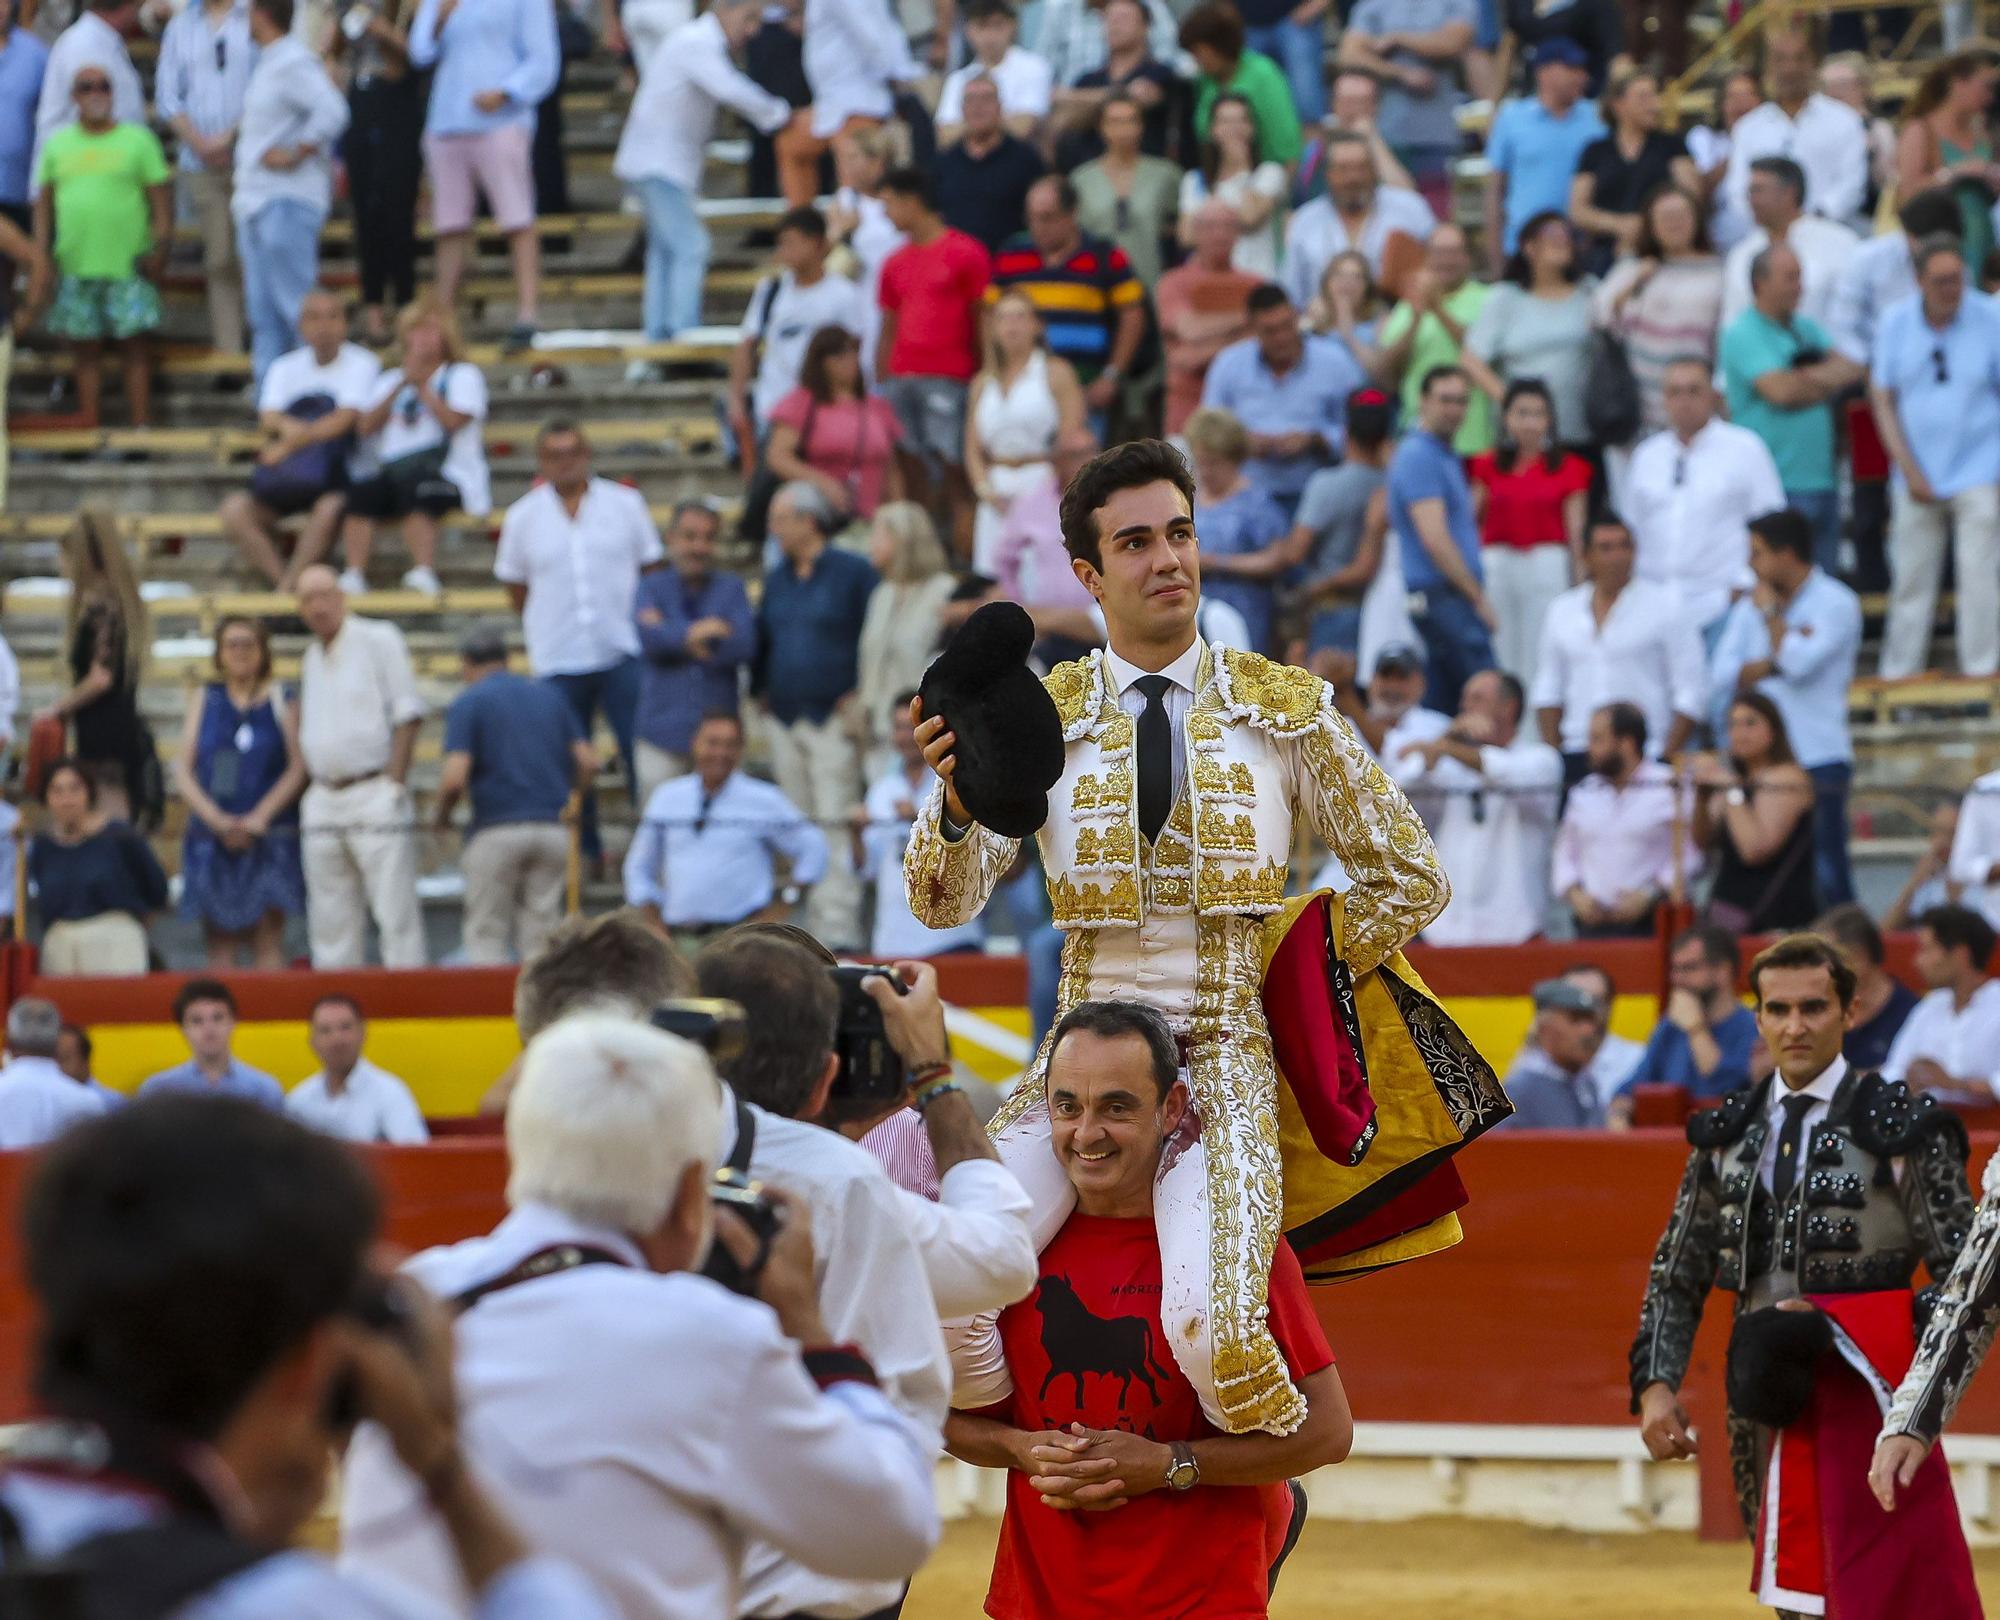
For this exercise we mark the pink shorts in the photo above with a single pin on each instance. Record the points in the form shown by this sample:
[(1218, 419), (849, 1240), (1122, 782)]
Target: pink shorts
[(497, 162)]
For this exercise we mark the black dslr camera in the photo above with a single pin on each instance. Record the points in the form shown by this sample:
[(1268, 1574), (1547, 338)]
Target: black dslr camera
[(871, 1070)]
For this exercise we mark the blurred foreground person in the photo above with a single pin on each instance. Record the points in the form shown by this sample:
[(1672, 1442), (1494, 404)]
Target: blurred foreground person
[(38, 1101), (210, 1328)]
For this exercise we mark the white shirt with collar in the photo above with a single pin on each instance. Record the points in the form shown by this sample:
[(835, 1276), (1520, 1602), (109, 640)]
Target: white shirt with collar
[(1813, 667), (90, 41), (874, 1291), (372, 1106), (1964, 1042), (855, 52), (672, 118), (1975, 848), (38, 1102), (1825, 250), (1122, 676), (709, 859), (1877, 274), (10, 692), (1316, 235), (1821, 1091), (1828, 140), (896, 933), (1690, 507), (646, 1426), (581, 573), (353, 693), (1616, 841), (1645, 653)]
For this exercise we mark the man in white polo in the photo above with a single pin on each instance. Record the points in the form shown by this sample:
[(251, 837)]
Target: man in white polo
[(350, 1097)]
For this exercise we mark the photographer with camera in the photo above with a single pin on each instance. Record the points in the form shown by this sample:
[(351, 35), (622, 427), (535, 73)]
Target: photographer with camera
[(210, 1330), (647, 1422)]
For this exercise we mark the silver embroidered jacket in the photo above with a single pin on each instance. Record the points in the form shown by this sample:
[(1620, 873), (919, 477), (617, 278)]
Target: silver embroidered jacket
[(1960, 1330)]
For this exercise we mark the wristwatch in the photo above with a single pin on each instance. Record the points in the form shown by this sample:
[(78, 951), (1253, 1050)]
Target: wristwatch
[(1183, 1473)]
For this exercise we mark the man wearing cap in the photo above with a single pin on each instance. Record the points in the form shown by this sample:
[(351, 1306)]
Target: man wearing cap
[(1550, 1083), (516, 746), (1536, 144)]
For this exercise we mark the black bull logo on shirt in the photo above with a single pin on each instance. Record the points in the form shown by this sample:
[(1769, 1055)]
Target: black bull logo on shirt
[(1077, 1342)]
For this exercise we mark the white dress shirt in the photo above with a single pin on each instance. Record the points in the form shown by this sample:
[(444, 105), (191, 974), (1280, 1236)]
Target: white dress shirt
[(707, 860), (1815, 664), (1975, 848), (855, 50), (672, 117), (1877, 274), (1964, 1042), (290, 102), (90, 41), (1690, 507), (38, 1102), (1827, 140), (373, 1106), (203, 73), (1177, 700), (1616, 841), (897, 933), (581, 573), (1646, 653), (1825, 250), (978, 1248), (10, 692), (644, 1426), (1494, 834), (874, 1291), (1025, 82), (1316, 235), (1821, 1091), (353, 694)]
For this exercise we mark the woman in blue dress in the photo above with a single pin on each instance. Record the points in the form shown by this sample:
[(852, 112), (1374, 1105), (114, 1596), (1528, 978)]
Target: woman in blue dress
[(241, 773)]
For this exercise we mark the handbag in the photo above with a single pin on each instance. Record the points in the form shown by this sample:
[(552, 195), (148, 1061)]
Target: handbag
[(308, 472), (753, 522), (1611, 408)]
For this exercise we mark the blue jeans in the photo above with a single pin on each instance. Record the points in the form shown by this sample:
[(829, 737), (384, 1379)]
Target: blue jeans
[(1457, 646), (613, 692), (1821, 510), (278, 247), (1301, 52), (677, 247), (1830, 868)]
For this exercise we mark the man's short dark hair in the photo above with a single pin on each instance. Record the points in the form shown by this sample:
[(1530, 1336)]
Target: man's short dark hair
[(791, 1005), (196, 991), (907, 180), (279, 11), (1932, 247), (1108, 1020), (1932, 212), (596, 963), (1804, 951), (1438, 374), (806, 220), (1607, 519), (728, 716), (1267, 296), (337, 998), (1961, 928), (1718, 945), (82, 1038), (1628, 724), (1785, 172), (1785, 530), (560, 427), (1124, 466), (987, 10), (177, 1247), (1217, 25), (1851, 928)]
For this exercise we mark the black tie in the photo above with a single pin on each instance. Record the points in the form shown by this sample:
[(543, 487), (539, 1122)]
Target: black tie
[(1791, 1146), (1156, 757)]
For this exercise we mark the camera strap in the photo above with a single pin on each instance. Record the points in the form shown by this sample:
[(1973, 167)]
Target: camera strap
[(550, 1262), (746, 1139)]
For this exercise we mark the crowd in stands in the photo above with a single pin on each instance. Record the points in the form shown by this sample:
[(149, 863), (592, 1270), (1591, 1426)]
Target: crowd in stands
[(1569, 487)]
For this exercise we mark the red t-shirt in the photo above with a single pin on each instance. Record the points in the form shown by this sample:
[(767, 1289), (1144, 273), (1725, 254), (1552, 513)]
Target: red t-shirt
[(1524, 506), (934, 293), (1087, 1347), (852, 441)]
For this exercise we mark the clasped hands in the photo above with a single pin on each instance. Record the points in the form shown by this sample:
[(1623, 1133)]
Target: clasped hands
[(1080, 1470)]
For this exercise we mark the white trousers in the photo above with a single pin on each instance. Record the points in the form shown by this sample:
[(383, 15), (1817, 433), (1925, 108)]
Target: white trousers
[(111, 944), (818, 768), (360, 856), (1916, 560), (1521, 585), (514, 880)]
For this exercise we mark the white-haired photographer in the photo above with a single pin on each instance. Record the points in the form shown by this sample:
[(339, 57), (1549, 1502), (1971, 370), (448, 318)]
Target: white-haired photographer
[(645, 1420)]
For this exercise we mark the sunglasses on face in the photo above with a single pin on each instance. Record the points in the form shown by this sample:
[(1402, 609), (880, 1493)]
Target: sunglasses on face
[(93, 87)]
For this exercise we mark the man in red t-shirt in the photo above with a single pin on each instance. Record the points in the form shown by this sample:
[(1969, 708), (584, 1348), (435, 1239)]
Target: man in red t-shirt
[(1099, 1416), (930, 291)]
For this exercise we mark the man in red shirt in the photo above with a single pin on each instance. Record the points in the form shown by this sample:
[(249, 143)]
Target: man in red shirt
[(930, 290), (1090, 1413)]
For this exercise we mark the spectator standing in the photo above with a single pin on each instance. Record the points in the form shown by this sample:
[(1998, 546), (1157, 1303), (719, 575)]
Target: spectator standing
[(905, 617), (1663, 300), (1973, 850), (1239, 523), (1935, 386), (1535, 146), (664, 145), (293, 116), (1202, 305), (1846, 77), (1357, 109), (1706, 1040), (1950, 1044), (358, 717), (1294, 37), (1616, 640), (1501, 786), (1289, 391), (705, 856), (96, 39), (1125, 196), (493, 63), (1947, 141), (983, 178), (1882, 1004), (198, 85), (1075, 36), (856, 56), (1740, 93), (1826, 139), (1694, 488), (108, 636), (1622, 168), (697, 632), (104, 217), (832, 433), (24, 60), (1213, 35), (1823, 246), (1128, 63), (1415, 48), (308, 406), (1340, 525), (205, 1010), (1780, 375), (1234, 173), (1386, 226), (1437, 541), (859, 222), (571, 552), (1550, 1083), (1537, 323), (809, 626), (425, 423), (383, 154), (1795, 640), (1616, 854), (1428, 329), (38, 1102), (1530, 496), (1021, 402), (240, 773), (1594, 28), (786, 309), (1754, 810), (95, 881), (347, 1096), (881, 831), (517, 748), (1024, 79)]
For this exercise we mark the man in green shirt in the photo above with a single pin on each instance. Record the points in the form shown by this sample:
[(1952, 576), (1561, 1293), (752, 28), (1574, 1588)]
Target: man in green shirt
[(105, 202), (1212, 33), (1781, 373), (1427, 330)]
